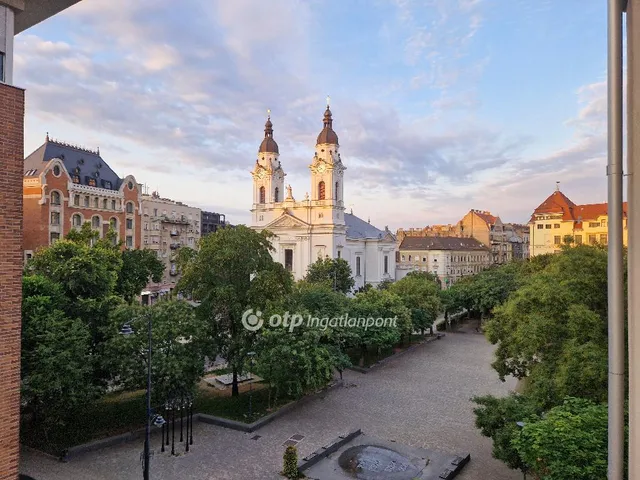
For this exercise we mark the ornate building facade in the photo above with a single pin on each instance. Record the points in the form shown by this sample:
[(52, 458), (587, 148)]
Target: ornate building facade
[(65, 186), (317, 226)]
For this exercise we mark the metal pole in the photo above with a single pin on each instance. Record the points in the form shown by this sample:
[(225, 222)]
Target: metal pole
[(181, 419), (186, 443), (615, 261), (633, 228), (191, 415), (147, 439)]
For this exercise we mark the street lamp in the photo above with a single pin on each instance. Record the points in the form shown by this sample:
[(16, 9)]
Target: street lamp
[(250, 355), (157, 420)]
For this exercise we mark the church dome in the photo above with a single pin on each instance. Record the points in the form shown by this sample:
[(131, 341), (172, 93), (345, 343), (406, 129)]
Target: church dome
[(327, 135), (268, 144)]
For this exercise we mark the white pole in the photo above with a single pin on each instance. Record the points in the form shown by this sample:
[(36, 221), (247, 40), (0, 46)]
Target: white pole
[(633, 228), (615, 261)]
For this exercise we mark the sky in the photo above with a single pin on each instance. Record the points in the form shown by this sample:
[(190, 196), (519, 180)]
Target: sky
[(440, 105)]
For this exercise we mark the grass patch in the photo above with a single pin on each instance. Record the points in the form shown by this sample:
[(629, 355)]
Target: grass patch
[(124, 412)]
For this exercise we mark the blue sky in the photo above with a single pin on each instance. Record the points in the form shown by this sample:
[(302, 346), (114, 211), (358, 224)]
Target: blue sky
[(440, 105)]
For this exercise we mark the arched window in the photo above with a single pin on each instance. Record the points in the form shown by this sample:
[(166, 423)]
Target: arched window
[(336, 192), (262, 195), (95, 221), (321, 191), (76, 220), (129, 207), (113, 223), (105, 203), (96, 202), (55, 198), (276, 195)]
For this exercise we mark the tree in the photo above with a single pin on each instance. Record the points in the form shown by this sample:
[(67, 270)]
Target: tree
[(179, 342), (56, 365), (569, 441), (138, 268), (421, 295), (233, 272), (335, 272), (497, 418)]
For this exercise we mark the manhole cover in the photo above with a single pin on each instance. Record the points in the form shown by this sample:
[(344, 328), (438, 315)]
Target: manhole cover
[(368, 462), (297, 437)]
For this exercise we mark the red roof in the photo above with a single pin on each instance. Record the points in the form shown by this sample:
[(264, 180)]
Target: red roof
[(487, 217), (559, 203)]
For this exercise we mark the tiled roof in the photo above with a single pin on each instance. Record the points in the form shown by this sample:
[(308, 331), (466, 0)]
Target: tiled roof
[(487, 217), (87, 163), (558, 202), (592, 211), (441, 243), (358, 228)]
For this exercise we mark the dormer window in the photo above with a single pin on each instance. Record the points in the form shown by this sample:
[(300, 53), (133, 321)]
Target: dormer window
[(92, 182), (76, 178)]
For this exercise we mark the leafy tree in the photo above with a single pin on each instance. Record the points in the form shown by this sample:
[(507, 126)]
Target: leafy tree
[(421, 295), (56, 365), (233, 272), (569, 441), (497, 418), (138, 267), (335, 272), (385, 284), (179, 342)]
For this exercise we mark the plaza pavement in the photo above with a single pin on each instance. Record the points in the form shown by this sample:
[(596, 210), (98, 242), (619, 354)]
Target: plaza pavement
[(420, 399)]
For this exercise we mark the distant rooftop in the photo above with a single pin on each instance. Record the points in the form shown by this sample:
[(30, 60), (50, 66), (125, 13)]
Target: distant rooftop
[(441, 243)]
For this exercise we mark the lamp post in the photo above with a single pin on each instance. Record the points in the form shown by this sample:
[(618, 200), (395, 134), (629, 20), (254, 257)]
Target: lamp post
[(250, 355), (157, 420)]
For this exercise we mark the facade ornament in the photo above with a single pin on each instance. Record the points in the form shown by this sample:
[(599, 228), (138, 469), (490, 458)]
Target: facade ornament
[(289, 192)]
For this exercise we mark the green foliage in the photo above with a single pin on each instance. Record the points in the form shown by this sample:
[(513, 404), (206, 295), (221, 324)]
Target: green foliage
[(56, 365), (497, 418), (290, 463), (138, 268), (570, 441), (334, 272), (232, 272), (179, 342), (420, 293), (384, 284)]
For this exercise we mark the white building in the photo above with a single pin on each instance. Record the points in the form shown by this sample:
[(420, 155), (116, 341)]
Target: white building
[(318, 225)]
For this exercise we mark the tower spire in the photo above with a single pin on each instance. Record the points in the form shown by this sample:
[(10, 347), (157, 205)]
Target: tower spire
[(268, 144)]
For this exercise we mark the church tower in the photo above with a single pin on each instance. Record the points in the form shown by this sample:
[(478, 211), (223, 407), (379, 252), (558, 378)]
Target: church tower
[(327, 170), (268, 175)]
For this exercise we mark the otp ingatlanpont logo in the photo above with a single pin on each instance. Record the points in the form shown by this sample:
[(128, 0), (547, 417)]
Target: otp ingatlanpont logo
[(252, 321)]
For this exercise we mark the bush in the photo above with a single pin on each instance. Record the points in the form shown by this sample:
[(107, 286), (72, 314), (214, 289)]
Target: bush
[(290, 458)]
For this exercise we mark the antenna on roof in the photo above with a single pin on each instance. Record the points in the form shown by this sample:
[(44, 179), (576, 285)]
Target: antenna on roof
[(557, 186), (47, 139)]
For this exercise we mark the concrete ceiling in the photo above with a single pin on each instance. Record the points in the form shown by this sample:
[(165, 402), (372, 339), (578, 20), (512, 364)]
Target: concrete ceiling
[(32, 12)]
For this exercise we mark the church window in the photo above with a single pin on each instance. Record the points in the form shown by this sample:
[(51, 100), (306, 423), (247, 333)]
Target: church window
[(336, 192), (288, 259), (357, 266), (276, 195), (339, 254), (321, 191), (386, 264), (262, 195)]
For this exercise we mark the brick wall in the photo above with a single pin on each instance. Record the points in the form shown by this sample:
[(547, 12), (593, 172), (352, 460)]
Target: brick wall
[(11, 160)]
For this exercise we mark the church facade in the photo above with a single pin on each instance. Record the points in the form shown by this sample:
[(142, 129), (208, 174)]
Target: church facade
[(318, 225)]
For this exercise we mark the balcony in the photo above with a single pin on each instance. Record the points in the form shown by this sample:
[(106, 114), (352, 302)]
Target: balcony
[(174, 233), (174, 246)]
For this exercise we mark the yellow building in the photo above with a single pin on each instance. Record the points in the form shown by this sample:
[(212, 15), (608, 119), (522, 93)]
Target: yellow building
[(558, 219)]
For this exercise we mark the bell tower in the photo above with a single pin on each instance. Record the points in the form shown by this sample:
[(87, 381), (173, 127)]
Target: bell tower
[(327, 170), (268, 175)]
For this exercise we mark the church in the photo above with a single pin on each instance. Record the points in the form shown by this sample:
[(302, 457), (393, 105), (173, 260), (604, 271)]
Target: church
[(318, 225)]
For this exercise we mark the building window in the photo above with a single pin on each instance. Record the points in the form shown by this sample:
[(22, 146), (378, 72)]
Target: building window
[(603, 238), (556, 240), (55, 218), (76, 178), (336, 192), (403, 258), (76, 220), (594, 224), (129, 224), (95, 221), (548, 226), (54, 237), (56, 170), (578, 239), (386, 264), (92, 182), (113, 223), (96, 202), (55, 198), (262, 198), (556, 225), (76, 200), (603, 222), (113, 204), (288, 259), (105, 203), (592, 239), (155, 212), (129, 241), (276, 195), (358, 265), (321, 191), (539, 226), (129, 207), (130, 185), (87, 201), (339, 253)]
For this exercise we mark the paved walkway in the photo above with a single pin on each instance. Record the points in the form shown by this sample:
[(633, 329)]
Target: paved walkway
[(420, 399)]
